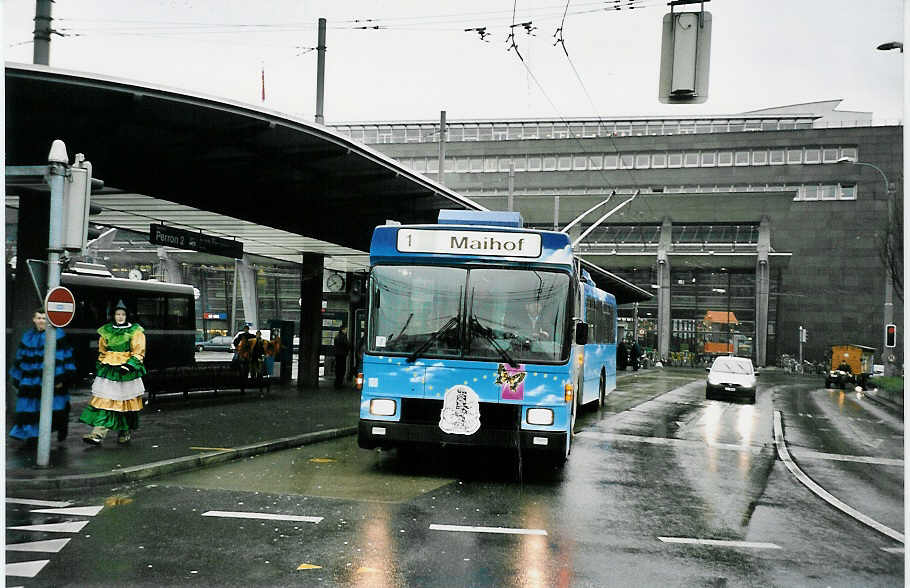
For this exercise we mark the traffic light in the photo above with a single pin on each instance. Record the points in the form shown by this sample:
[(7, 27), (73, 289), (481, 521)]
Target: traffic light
[(890, 335), (685, 56), (77, 190)]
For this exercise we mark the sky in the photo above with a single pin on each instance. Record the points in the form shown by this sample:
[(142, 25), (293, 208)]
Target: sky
[(421, 60)]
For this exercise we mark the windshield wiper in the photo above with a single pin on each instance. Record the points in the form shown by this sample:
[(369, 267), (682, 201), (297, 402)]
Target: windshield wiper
[(487, 334), (426, 344)]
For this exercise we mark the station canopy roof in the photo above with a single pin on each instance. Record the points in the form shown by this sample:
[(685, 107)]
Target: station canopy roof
[(280, 184)]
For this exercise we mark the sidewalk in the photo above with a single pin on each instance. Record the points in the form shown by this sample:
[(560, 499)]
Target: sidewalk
[(177, 434)]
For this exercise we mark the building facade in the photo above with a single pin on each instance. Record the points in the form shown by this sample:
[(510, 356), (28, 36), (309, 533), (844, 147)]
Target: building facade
[(775, 217)]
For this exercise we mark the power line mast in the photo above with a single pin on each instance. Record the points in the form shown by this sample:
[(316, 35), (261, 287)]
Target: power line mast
[(42, 36)]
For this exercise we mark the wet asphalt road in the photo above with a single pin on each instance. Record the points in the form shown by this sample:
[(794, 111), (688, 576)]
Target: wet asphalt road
[(656, 466)]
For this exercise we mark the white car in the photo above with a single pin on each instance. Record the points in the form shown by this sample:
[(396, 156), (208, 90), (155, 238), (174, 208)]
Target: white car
[(731, 376)]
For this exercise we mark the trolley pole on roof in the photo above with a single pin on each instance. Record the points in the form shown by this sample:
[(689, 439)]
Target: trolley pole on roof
[(57, 164)]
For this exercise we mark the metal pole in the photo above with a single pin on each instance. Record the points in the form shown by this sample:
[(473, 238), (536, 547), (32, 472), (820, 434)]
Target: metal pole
[(58, 161), (511, 187), (320, 72), (442, 145), (41, 52), (801, 345), (729, 323), (233, 325)]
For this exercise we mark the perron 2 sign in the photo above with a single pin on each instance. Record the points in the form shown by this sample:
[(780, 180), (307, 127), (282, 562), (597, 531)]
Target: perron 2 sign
[(174, 237)]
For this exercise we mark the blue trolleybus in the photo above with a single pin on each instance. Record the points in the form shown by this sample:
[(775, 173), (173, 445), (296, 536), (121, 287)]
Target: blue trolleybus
[(481, 333)]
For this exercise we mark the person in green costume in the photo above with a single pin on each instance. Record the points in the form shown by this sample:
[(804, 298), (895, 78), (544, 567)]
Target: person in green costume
[(117, 390)]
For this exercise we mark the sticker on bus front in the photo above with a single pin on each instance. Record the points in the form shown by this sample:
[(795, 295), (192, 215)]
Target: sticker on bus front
[(512, 381), (460, 411)]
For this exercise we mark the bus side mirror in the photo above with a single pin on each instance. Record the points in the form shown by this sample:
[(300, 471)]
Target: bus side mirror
[(581, 333)]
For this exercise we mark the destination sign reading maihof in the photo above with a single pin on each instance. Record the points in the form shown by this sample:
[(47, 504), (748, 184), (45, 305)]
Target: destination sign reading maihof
[(493, 243), (174, 237)]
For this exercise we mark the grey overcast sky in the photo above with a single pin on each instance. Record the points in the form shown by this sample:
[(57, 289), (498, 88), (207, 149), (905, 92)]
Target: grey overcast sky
[(420, 60)]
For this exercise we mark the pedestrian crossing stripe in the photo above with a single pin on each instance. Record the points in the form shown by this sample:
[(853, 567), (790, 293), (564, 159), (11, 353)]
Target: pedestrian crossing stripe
[(70, 527), (368, 570), (29, 501), (82, 511), (308, 566), (49, 546), (26, 569)]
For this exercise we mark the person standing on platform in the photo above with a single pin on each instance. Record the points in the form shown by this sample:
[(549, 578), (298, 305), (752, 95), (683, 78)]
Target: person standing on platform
[(342, 346), (117, 390), (26, 374), (241, 350)]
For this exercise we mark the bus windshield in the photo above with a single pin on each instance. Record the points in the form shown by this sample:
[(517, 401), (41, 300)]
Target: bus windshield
[(510, 315)]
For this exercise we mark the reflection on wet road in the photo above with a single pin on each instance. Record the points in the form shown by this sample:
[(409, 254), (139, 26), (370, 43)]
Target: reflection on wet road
[(662, 488)]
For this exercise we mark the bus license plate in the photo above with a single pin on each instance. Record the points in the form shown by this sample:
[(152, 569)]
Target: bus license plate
[(729, 388)]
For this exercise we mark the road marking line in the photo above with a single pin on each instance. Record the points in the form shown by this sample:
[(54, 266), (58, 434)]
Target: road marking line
[(71, 527), (503, 530), (855, 458), (893, 549), (308, 566), (784, 455), (48, 546), (82, 511), (210, 448), (31, 502), (27, 569), (720, 542), (261, 515), (753, 447)]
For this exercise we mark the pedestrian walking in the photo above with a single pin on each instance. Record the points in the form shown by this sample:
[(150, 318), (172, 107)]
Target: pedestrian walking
[(342, 346), (257, 355), (242, 350), (26, 374), (117, 390)]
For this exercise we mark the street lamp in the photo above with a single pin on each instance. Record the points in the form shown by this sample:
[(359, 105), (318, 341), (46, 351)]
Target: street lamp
[(891, 45), (889, 302)]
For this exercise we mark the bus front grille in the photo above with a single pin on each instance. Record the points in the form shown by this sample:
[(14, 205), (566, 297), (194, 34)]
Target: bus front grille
[(418, 411)]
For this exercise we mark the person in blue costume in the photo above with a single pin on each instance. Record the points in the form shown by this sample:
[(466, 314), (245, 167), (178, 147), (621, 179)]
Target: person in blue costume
[(117, 390), (26, 373)]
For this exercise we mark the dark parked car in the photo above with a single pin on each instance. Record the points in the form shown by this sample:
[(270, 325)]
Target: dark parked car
[(220, 343)]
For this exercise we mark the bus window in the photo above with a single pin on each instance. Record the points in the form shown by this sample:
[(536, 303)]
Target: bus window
[(179, 313), (150, 312)]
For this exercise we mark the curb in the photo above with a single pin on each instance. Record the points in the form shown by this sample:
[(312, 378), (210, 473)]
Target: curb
[(889, 404), (179, 464)]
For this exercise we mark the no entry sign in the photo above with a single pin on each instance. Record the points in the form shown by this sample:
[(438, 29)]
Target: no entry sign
[(60, 306)]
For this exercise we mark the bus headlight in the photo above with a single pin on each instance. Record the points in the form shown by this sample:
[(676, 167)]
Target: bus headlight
[(540, 416), (382, 406)]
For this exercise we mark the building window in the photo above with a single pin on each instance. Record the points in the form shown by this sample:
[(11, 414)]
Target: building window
[(564, 163), (470, 133), (611, 161), (500, 133), (848, 191), (813, 155), (794, 156), (420, 165), (398, 135), (735, 126), (671, 127), (485, 133), (827, 192), (690, 159), (708, 159), (760, 157), (545, 131), (534, 163), (686, 127), (642, 161), (514, 132), (529, 131), (432, 165), (829, 155), (385, 135), (456, 133), (596, 162), (741, 158), (674, 160), (702, 127), (724, 158), (580, 162), (520, 163), (490, 164), (719, 127), (505, 163), (655, 128), (412, 135), (659, 160), (549, 163), (808, 192), (476, 164), (626, 161), (776, 157), (449, 164), (848, 152), (560, 132), (357, 134), (462, 164), (753, 125), (623, 129)]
